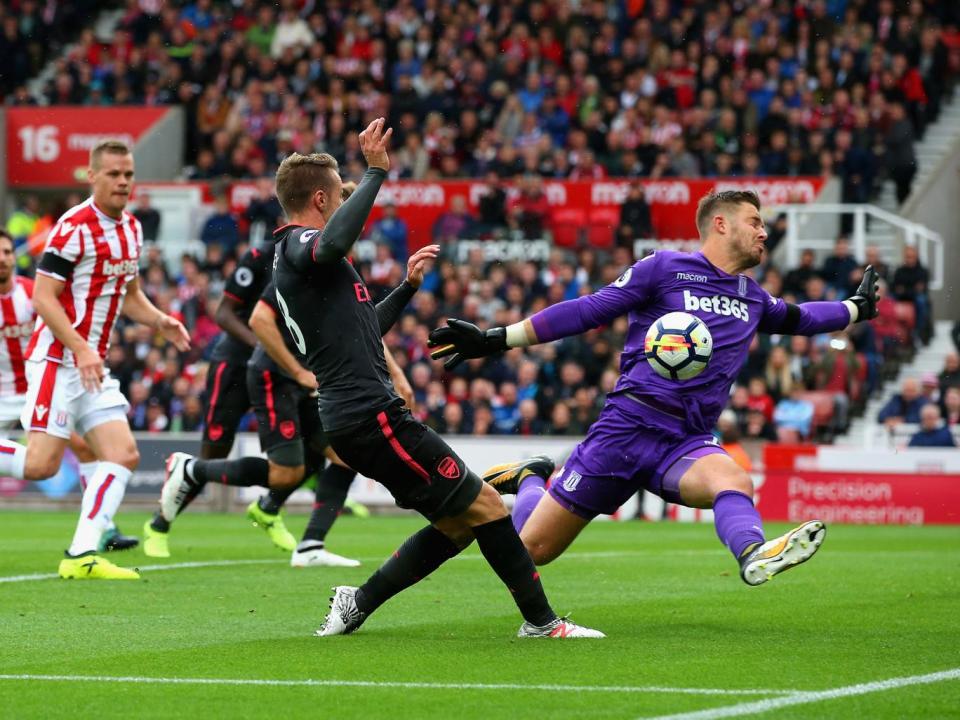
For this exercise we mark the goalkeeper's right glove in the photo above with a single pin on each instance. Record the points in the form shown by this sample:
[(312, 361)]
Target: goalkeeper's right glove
[(462, 340)]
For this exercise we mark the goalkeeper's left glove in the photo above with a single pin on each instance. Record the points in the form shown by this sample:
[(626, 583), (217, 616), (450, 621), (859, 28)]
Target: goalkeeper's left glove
[(867, 296)]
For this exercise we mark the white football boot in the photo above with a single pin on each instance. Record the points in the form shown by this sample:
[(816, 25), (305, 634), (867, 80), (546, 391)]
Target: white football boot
[(560, 628), (319, 556), (780, 554), (176, 485), (344, 617)]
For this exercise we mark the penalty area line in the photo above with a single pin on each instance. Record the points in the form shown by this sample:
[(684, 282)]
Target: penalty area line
[(388, 684), (803, 698)]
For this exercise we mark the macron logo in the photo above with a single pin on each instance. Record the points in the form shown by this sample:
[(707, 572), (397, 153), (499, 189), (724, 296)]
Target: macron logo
[(41, 410), (692, 277), (718, 304), (121, 267)]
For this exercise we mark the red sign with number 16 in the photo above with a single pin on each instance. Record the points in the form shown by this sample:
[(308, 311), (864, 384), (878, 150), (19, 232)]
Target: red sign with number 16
[(51, 146)]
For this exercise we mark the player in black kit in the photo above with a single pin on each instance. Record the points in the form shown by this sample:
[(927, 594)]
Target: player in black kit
[(335, 326), (227, 397)]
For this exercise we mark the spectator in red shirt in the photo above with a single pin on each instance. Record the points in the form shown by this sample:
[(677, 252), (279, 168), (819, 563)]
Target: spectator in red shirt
[(759, 399), (530, 208)]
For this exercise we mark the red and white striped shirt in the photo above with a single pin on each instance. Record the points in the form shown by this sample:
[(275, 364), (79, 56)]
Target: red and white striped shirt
[(16, 326), (105, 255)]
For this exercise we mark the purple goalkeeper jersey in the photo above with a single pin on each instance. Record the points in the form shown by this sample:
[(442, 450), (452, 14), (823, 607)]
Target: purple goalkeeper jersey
[(733, 307)]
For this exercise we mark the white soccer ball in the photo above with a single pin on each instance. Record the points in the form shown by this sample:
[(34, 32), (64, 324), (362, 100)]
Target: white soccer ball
[(678, 346)]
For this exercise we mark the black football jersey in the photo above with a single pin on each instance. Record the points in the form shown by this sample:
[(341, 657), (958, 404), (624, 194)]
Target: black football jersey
[(327, 311), (245, 286), (260, 359)]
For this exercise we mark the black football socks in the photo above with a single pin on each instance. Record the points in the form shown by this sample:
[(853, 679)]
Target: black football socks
[(421, 554), (329, 496), (242, 472), (504, 551)]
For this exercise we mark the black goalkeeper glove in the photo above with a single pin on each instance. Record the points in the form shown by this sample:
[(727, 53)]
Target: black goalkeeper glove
[(461, 341), (868, 295)]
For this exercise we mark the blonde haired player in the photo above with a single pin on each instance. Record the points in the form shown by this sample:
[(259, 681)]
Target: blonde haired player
[(86, 278)]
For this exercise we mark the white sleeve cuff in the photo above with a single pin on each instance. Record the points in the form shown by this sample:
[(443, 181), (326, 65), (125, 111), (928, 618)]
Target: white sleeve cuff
[(854, 310), (517, 335)]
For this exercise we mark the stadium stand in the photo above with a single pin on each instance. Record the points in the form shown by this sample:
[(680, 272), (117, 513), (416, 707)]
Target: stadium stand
[(524, 91)]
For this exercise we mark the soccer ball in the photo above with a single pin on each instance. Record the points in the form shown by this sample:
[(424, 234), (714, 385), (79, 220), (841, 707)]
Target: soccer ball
[(678, 346)]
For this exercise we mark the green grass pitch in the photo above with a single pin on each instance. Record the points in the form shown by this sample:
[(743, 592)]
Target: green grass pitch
[(683, 630)]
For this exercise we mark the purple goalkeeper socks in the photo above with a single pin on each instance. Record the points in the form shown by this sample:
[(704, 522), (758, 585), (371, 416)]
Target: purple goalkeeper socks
[(737, 521), (531, 490)]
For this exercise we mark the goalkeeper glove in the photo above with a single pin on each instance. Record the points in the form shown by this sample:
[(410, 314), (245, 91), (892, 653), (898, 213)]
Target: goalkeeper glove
[(867, 296), (462, 340)]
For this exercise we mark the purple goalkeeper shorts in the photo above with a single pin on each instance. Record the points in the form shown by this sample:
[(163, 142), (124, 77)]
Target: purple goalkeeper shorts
[(631, 447)]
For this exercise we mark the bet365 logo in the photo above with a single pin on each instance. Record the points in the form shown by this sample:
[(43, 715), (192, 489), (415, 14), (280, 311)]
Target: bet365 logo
[(717, 304)]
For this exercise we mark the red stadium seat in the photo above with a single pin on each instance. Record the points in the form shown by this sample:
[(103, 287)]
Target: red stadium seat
[(566, 224), (822, 408), (603, 227)]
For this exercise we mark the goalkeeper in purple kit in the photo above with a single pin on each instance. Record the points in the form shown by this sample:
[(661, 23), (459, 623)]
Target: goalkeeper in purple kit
[(654, 433)]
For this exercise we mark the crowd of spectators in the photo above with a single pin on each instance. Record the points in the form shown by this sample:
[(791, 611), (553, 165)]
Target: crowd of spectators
[(550, 87), (31, 33), (526, 89), (927, 408), (790, 388)]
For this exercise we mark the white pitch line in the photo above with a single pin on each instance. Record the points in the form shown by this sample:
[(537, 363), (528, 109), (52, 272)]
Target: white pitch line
[(390, 684), (152, 568), (380, 558), (804, 698)]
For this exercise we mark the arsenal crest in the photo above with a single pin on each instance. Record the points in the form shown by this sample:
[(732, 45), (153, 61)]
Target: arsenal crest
[(448, 468)]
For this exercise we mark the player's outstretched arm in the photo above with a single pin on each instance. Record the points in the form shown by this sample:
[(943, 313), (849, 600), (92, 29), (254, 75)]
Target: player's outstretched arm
[(389, 309), (345, 225), (138, 308), (461, 340), (813, 318), (263, 323)]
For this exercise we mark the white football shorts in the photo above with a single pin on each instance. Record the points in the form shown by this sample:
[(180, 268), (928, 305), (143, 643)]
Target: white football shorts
[(57, 404)]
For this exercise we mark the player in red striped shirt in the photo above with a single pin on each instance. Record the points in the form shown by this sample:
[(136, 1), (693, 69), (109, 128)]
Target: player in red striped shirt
[(16, 325), (17, 319), (88, 276)]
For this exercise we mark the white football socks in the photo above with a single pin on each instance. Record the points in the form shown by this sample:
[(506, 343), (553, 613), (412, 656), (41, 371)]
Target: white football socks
[(101, 498), (87, 469), (12, 458)]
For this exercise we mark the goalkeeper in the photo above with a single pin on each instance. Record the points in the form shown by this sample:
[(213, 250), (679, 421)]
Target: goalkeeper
[(655, 433)]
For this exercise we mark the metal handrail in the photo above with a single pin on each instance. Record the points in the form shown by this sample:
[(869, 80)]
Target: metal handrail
[(928, 242)]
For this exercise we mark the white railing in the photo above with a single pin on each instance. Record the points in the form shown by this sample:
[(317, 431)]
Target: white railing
[(928, 242), (878, 435)]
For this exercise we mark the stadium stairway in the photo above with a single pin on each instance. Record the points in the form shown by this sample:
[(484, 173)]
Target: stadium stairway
[(928, 360), (930, 151)]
